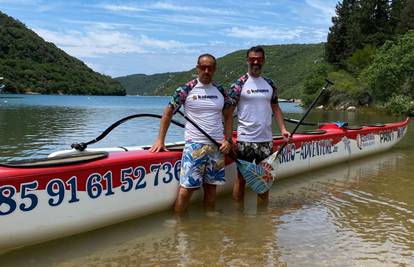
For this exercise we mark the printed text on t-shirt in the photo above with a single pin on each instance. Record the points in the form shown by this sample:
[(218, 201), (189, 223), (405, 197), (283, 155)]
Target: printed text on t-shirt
[(195, 97), (255, 91)]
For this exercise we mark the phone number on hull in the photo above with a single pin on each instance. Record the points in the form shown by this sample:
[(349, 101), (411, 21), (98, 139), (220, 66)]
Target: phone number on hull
[(96, 186)]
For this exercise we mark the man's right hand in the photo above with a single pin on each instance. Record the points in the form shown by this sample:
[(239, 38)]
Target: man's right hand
[(158, 146)]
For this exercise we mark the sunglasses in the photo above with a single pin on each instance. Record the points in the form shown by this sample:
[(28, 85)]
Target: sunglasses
[(205, 67), (255, 60)]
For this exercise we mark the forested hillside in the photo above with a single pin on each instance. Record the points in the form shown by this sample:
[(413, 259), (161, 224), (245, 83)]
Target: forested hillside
[(369, 56), (142, 84), (287, 65), (29, 64)]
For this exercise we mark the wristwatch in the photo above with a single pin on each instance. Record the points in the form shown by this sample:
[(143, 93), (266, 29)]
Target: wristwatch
[(230, 140)]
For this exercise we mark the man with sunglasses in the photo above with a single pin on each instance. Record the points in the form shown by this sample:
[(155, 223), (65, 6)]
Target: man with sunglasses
[(256, 99), (202, 163)]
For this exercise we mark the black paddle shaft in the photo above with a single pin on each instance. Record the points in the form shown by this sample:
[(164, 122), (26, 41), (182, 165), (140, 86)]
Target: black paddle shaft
[(303, 123), (328, 83)]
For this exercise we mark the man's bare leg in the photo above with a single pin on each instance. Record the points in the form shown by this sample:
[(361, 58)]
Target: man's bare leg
[(238, 188), (183, 198), (263, 199), (209, 196)]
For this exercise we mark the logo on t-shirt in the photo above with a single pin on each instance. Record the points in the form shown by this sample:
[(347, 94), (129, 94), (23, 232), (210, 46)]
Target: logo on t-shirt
[(195, 97), (257, 91)]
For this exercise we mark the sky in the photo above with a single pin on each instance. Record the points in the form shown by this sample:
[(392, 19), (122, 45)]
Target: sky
[(119, 38)]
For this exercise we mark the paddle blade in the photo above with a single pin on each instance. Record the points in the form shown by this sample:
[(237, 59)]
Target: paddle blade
[(273, 162), (254, 176)]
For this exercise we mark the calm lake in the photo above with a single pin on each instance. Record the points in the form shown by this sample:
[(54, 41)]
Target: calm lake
[(359, 213)]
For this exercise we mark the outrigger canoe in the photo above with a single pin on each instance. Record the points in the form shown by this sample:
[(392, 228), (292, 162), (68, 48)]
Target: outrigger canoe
[(71, 191)]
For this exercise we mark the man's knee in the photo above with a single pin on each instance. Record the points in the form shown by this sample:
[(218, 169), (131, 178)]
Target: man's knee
[(183, 198), (185, 193)]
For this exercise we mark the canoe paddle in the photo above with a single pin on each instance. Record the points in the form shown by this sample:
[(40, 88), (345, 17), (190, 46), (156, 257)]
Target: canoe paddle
[(272, 158), (252, 173)]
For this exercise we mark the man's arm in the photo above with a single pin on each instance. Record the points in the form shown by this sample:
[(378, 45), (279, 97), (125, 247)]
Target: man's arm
[(277, 112), (226, 145), (228, 121), (159, 144)]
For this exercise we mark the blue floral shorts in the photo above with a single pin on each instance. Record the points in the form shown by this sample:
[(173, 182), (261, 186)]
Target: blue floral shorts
[(201, 163)]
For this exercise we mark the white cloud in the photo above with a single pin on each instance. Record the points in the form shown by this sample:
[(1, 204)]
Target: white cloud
[(170, 7), (92, 22), (154, 43), (275, 14), (94, 66), (47, 7), (256, 32), (145, 63), (98, 43), (34, 5), (318, 35), (20, 2), (270, 36), (122, 8), (196, 9), (322, 6), (167, 6), (101, 25), (192, 20), (92, 43)]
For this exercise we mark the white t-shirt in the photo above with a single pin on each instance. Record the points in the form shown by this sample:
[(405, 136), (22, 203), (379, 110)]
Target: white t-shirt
[(254, 109), (203, 104)]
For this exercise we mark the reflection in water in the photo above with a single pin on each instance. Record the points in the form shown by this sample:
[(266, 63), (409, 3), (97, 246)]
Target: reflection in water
[(356, 215), (32, 131), (222, 238), (35, 126)]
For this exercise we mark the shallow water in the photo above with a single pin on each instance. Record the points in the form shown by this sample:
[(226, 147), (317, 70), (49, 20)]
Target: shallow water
[(359, 213)]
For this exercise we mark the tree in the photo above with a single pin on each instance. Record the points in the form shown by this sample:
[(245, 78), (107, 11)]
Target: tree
[(338, 45), (406, 21), (374, 21), (395, 14), (392, 71)]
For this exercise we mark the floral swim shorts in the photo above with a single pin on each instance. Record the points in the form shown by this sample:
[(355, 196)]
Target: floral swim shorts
[(254, 152), (201, 163)]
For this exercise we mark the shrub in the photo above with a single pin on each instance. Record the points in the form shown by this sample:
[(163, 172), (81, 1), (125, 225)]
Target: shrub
[(392, 69), (400, 104), (361, 58)]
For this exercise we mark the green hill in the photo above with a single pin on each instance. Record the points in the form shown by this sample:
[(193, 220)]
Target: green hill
[(142, 84), (287, 65), (30, 64)]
